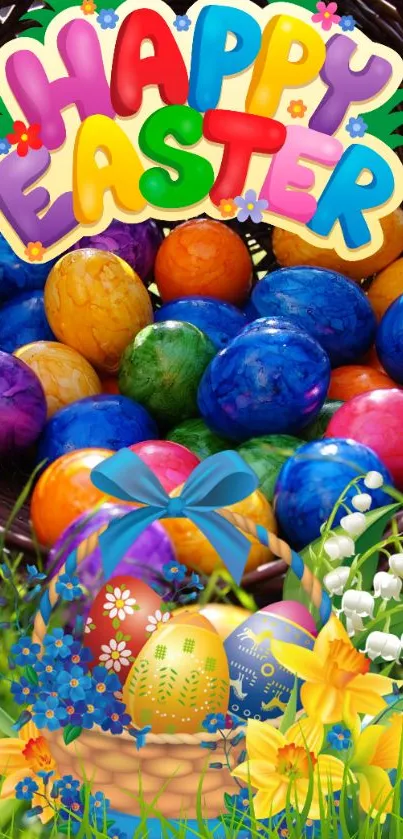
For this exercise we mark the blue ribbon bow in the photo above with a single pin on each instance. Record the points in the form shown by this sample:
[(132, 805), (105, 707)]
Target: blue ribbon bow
[(219, 481)]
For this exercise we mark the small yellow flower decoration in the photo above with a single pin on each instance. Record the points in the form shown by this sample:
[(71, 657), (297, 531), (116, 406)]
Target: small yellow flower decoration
[(88, 7), (228, 208), (297, 109), (35, 251)]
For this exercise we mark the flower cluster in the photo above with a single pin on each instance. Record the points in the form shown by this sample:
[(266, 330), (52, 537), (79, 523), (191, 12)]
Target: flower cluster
[(185, 588)]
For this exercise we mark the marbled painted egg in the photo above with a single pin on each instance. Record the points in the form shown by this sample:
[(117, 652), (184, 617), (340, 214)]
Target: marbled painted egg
[(180, 676), (123, 615), (260, 687)]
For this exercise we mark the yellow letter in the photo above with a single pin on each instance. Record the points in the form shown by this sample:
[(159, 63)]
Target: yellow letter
[(274, 72), (121, 175)]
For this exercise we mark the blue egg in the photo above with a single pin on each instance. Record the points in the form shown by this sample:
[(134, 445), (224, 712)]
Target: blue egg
[(389, 341), (220, 321), (270, 323), (23, 320), (105, 421), (330, 307), (267, 381), (17, 276), (312, 480)]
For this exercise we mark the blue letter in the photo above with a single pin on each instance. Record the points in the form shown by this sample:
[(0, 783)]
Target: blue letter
[(344, 199), (211, 62)]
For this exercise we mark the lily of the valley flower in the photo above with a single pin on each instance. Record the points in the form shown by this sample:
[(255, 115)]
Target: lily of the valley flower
[(24, 757), (384, 645), (339, 547), (336, 580), (354, 524), (374, 480), (362, 502), (338, 686), (387, 586), (359, 603), (396, 564), (280, 767)]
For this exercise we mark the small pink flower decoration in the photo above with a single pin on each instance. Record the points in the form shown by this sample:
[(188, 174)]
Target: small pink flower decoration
[(326, 15)]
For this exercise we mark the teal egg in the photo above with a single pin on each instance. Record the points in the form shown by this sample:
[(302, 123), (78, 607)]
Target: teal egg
[(266, 456)]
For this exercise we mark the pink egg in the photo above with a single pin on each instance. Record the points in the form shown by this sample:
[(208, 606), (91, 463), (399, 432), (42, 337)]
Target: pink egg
[(170, 462), (295, 612)]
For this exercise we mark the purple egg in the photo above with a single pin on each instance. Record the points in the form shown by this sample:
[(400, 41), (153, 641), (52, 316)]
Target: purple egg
[(22, 405), (137, 244), (144, 560), (295, 612)]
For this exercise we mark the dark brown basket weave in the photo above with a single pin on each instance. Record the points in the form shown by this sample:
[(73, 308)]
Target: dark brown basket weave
[(381, 20)]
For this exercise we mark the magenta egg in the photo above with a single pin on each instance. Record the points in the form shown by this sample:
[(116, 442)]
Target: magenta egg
[(170, 462), (294, 612)]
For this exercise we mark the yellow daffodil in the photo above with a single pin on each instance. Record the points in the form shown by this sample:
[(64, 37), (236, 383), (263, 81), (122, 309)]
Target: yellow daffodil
[(23, 757), (338, 686), (282, 770), (376, 750)]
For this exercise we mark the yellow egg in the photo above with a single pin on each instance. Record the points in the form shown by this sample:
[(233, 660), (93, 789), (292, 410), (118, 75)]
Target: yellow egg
[(386, 288), (64, 374), (223, 616), (179, 677), (290, 250), (194, 550)]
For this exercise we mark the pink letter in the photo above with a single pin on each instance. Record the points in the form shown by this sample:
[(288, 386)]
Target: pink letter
[(86, 85), (285, 172), (20, 210)]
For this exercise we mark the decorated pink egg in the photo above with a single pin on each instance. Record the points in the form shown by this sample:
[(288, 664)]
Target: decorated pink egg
[(294, 612), (170, 462), (124, 614)]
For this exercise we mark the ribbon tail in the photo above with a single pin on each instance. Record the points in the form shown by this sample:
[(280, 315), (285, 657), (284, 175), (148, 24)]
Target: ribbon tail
[(116, 540), (231, 545)]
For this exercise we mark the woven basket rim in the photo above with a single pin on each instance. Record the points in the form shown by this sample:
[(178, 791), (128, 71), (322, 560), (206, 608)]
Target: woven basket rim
[(168, 739)]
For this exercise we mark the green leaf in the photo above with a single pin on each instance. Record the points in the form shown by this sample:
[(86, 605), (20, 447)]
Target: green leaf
[(70, 733), (119, 636), (31, 675), (395, 708), (6, 724), (384, 121), (109, 588), (64, 829), (291, 709), (309, 5), (372, 535), (116, 623)]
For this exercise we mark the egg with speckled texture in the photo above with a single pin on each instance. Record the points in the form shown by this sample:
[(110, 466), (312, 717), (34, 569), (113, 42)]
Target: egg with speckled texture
[(136, 244), (18, 276), (347, 382), (266, 455), (22, 405), (23, 320), (312, 480), (330, 307), (96, 304), (270, 381), (105, 421), (389, 341), (220, 321), (204, 258), (64, 374), (196, 436)]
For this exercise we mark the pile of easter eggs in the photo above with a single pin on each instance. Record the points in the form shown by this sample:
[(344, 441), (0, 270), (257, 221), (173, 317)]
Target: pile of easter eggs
[(300, 372)]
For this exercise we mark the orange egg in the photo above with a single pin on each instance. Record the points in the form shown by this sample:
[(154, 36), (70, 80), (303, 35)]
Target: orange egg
[(194, 550), (290, 250), (372, 360), (386, 288), (203, 257), (347, 382), (65, 491)]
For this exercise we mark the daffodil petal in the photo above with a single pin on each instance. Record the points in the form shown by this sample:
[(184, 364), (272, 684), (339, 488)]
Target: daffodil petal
[(363, 700), (375, 791), (270, 802), (30, 732), (297, 660), (257, 773), (387, 752), (307, 732), (323, 702), (10, 783), (263, 741), (332, 631), (11, 756), (381, 685), (365, 746), (331, 772)]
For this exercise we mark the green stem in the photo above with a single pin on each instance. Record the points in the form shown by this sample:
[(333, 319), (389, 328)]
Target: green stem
[(331, 519), (369, 627)]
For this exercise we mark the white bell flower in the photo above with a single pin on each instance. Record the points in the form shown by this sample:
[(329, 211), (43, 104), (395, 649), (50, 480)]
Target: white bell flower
[(383, 644), (362, 502), (354, 624), (396, 564), (373, 480), (332, 548), (346, 546), (354, 524), (387, 586), (359, 603), (335, 581)]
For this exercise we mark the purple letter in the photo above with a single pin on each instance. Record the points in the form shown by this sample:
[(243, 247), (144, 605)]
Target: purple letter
[(345, 85), (16, 175), (86, 86)]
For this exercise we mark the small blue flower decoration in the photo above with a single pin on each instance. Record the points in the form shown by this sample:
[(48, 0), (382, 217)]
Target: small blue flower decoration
[(116, 718), (339, 738), (69, 587), (213, 723), (356, 127), (23, 692), (347, 23), (174, 571), (182, 23), (250, 207), (26, 789), (33, 573), (58, 644), (25, 652), (107, 19), (114, 833), (48, 713), (5, 146), (140, 735), (73, 684), (67, 785)]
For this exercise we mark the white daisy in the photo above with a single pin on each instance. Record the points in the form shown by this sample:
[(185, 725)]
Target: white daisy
[(156, 620), (120, 604), (115, 656), (88, 625)]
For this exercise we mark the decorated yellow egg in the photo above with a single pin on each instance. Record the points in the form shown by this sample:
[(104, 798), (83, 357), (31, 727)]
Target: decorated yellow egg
[(290, 250), (179, 677), (223, 616), (194, 550), (386, 288), (64, 374)]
